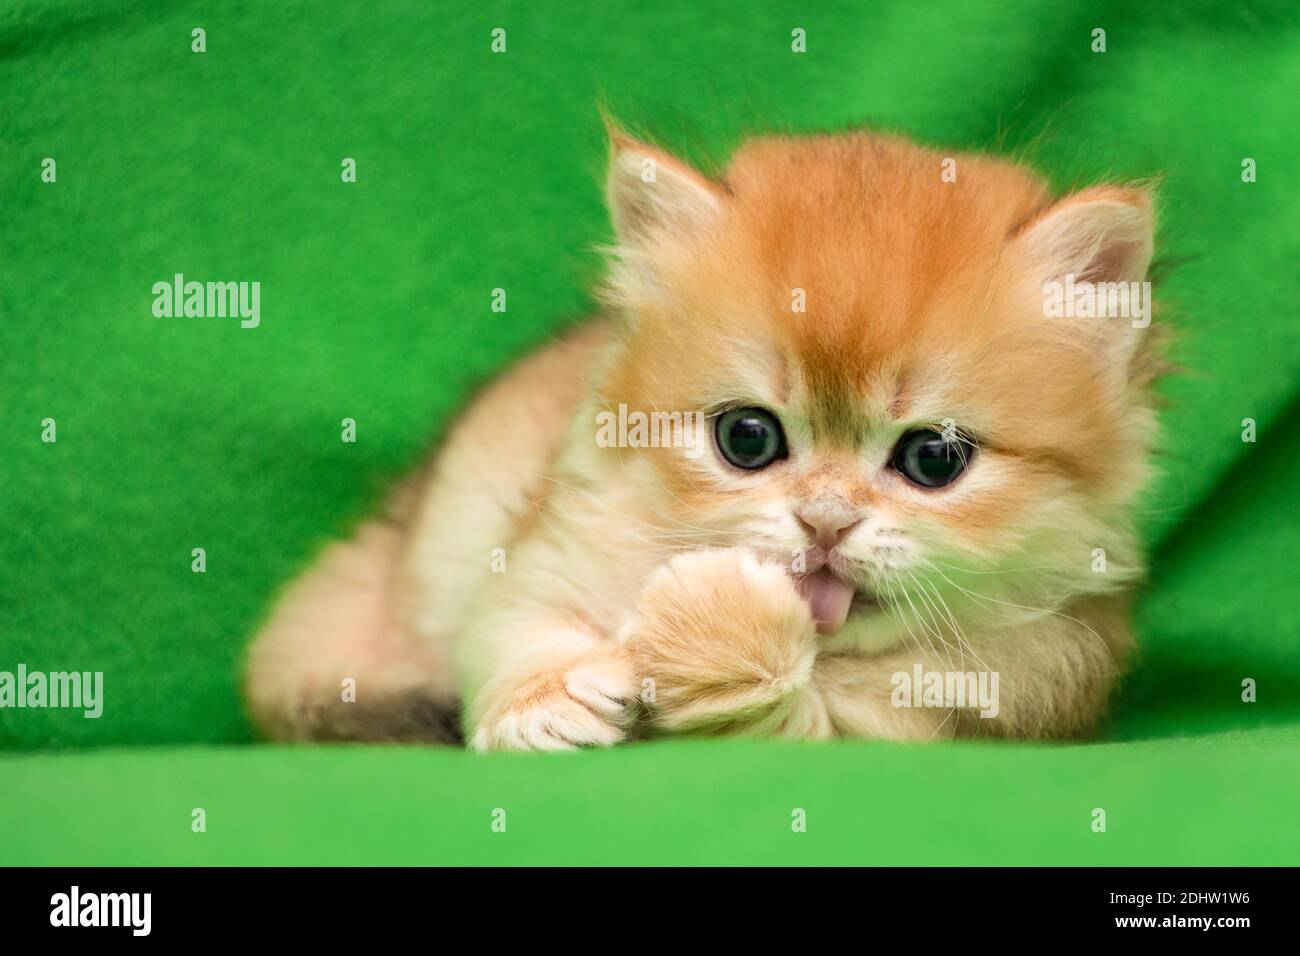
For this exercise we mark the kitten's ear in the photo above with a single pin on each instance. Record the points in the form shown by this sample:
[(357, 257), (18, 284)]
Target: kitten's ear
[(653, 195), (1099, 235), (1104, 234)]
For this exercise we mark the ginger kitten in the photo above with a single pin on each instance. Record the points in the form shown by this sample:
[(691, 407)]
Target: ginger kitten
[(889, 462)]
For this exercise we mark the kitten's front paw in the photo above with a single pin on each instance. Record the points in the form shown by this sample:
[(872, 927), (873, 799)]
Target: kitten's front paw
[(722, 642), (578, 704)]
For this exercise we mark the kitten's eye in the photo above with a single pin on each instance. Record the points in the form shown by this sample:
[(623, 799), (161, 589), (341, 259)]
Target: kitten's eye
[(925, 459), (750, 438)]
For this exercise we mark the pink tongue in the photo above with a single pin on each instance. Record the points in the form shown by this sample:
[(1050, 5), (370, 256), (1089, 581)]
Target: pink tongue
[(829, 597)]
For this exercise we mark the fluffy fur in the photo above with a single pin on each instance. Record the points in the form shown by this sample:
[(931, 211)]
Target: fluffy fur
[(650, 589)]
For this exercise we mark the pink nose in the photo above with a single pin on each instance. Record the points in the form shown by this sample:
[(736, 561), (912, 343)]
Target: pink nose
[(826, 529)]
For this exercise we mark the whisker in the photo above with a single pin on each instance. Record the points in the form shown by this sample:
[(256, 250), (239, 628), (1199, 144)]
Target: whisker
[(933, 620), (981, 598)]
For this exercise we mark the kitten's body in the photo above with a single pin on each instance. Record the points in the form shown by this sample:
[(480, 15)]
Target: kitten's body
[(654, 583)]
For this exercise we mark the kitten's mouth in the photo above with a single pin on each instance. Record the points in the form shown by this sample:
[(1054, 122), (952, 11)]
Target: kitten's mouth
[(829, 597)]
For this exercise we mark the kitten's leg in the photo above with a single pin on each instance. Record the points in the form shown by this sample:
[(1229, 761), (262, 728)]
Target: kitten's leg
[(729, 646), (334, 661), (725, 644), (554, 685)]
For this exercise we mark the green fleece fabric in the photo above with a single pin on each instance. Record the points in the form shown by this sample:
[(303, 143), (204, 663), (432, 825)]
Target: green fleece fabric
[(476, 171)]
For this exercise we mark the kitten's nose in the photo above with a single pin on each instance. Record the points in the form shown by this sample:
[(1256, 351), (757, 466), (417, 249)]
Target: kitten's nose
[(826, 528)]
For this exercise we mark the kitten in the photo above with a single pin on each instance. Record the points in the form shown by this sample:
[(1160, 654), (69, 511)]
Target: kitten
[(911, 475)]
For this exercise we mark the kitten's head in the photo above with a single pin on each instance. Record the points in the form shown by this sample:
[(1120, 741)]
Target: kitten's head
[(888, 401)]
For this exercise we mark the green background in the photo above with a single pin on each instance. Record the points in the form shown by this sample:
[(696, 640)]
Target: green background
[(478, 171)]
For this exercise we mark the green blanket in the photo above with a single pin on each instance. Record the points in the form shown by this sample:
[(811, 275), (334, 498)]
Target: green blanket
[(478, 171)]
